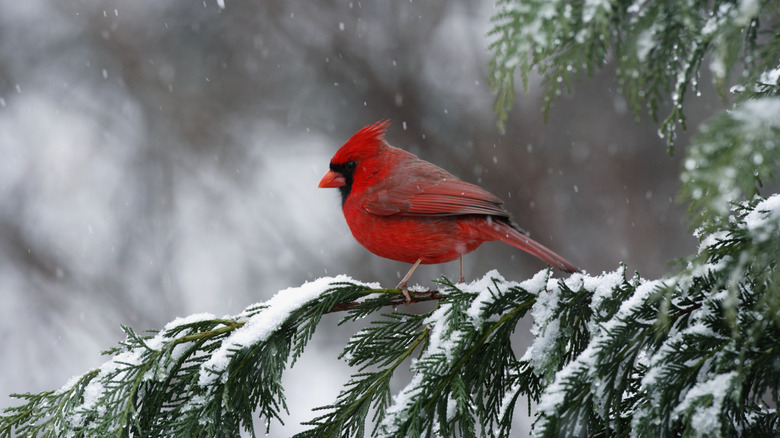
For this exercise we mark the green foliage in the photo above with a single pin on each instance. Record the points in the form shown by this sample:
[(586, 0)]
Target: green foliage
[(694, 354), (561, 39), (200, 376), (658, 47), (732, 156), (466, 367), (386, 344)]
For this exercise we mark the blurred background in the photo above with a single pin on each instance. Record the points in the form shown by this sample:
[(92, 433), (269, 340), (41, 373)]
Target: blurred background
[(159, 159)]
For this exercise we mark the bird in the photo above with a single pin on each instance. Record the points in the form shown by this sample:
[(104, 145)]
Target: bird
[(401, 207)]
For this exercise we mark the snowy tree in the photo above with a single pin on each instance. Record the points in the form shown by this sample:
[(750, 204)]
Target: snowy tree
[(695, 353)]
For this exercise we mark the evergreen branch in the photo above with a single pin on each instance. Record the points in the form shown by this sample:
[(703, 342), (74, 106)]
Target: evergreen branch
[(658, 48), (732, 157), (685, 356), (693, 354), (453, 371), (199, 376), (348, 415), (417, 297)]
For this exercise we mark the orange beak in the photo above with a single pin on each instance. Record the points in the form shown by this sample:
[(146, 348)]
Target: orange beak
[(331, 180)]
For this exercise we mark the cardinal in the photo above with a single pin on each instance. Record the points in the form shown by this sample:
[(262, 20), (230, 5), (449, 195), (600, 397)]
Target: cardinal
[(404, 208)]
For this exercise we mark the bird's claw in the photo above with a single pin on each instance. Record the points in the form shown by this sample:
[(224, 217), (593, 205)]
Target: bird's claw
[(405, 291)]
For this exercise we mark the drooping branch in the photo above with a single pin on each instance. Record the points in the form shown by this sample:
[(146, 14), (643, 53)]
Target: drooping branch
[(697, 345)]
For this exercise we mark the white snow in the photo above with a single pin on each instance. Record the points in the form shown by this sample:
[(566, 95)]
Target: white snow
[(538, 354), (507, 400), (658, 363), (711, 239), (602, 286), (770, 77), (485, 289), (554, 395), (439, 343), (190, 319), (717, 19), (759, 113), (401, 402), (591, 8), (546, 328), (764, 220), (748, 10), (452, 408), (259, 325), (479, 285), (705, 420), (640, 296), (636, 7), (95, 389), (262, 324), (717, 65), (537, 283)]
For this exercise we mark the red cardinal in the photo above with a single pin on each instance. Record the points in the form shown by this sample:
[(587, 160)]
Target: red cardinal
[(407, 209)]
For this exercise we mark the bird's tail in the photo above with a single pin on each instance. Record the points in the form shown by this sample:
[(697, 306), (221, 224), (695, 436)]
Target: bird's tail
[(505, 232)]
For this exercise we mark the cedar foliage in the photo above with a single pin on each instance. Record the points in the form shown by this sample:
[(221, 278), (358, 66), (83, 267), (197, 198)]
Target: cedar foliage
[(695, 353)]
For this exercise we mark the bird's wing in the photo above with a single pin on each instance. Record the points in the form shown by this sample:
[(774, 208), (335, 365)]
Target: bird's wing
[(440, 197)]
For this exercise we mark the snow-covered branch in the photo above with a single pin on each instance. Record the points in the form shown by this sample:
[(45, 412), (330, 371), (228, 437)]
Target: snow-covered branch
[(694, 352)]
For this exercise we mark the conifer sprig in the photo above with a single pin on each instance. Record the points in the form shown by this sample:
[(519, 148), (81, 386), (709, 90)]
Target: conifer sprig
[(694, 354), (199, 376), (690, 355), (658, 49)]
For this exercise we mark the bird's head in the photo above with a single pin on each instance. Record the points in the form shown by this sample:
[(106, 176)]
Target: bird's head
[(354, 157)]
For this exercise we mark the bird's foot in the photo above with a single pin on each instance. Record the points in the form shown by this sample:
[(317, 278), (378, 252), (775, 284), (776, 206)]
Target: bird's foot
[(405, 290)]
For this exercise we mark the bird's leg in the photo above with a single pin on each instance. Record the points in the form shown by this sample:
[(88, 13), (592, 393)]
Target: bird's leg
[(462, 280), (402, 284)]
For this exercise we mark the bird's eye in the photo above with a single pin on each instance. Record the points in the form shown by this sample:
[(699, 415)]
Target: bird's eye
[(350, 166)]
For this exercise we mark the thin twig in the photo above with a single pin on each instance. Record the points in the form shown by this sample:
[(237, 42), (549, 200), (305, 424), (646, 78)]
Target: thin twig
[(417, 297)]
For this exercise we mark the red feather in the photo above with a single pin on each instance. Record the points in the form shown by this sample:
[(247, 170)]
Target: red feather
[(443, 197)]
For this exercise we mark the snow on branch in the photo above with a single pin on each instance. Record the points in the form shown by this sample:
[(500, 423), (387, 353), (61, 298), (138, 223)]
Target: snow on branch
[(696, 353), (693, 353), (659, 49), (733, 156)]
